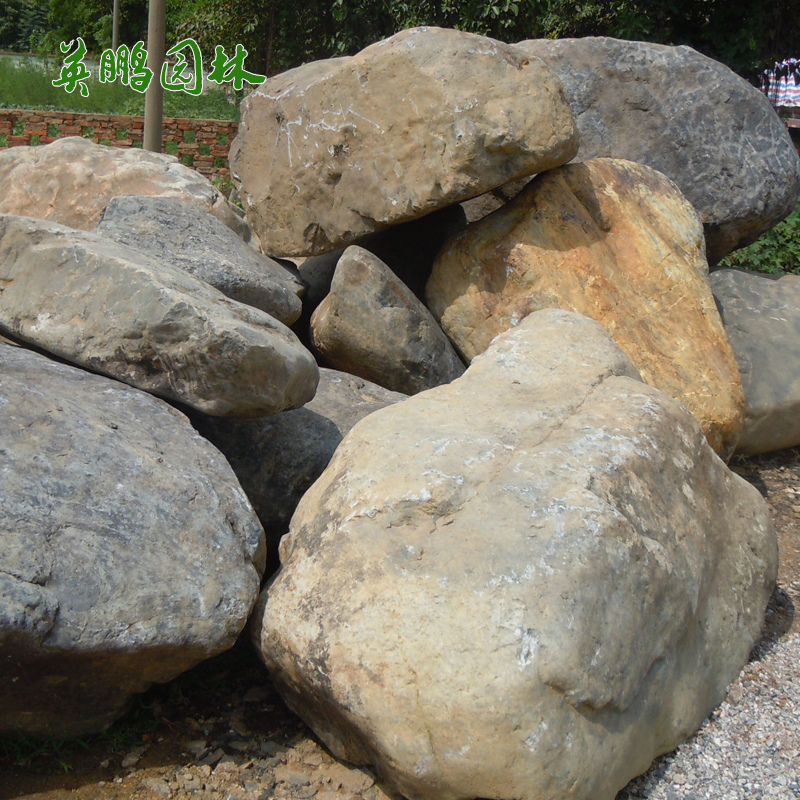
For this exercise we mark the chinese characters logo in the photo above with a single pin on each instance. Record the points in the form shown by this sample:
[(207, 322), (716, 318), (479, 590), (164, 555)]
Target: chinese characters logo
[(130, 66)]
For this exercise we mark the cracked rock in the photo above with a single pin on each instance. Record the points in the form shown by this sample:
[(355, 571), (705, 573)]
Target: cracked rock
[(552, 580)]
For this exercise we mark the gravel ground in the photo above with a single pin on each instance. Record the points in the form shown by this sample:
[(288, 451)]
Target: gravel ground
[(220, 732)]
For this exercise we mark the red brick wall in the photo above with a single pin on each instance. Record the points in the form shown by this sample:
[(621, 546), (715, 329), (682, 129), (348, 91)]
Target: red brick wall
[(199, 143)]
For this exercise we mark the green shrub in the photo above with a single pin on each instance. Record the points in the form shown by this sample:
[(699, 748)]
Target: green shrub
[(19, 129), (35, 140), (3, 140), (52, 130), (171, 148), (204, 148), (190, 137), (775, 251)]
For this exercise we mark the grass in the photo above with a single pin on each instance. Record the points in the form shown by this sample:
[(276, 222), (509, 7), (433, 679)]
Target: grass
[(128, 732), (27, 83), (774, 252)]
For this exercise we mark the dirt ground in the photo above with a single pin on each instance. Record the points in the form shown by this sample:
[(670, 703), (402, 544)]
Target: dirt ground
[(220, 732)]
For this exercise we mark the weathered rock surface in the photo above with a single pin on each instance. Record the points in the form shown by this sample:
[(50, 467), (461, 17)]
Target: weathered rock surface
[(615, 241), (189, 238), (334, 150), (687, 116), (110, 308), (552, 579), (129, 551), (762, 319), (72, 180), (372, 325), (277, 459)]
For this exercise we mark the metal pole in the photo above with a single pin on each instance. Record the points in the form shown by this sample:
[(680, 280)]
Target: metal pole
[(154, 98), (115, 27)]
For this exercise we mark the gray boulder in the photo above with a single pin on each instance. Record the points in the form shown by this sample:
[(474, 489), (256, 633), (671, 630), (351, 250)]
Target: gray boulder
[(687, 116), (129, 551), (371, 325), (187, 237), (277, 459), (114, 310), (762, 319), (527, 583), (337, 149)]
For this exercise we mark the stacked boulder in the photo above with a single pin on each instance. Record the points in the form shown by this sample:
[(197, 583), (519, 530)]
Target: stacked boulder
[(526, 580), (130, 551)]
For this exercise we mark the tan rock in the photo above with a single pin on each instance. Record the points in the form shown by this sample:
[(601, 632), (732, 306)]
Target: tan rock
[(114, 310), (615, 241), (337, 149), (527, 583), (73, 179)]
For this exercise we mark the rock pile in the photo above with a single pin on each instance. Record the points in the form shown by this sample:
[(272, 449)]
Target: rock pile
[(527, 580)]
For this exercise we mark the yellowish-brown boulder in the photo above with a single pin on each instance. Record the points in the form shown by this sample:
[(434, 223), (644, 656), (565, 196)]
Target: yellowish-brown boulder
[(617, 242)]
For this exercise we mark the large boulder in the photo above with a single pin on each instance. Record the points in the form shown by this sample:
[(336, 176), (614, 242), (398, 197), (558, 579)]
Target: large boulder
[(762, 318), (615, 241), (114, 310), (527, 583), (371, 325), (71, 181), (687, 116), (129, 552), (334, 150), (277, 459), (186, 236)]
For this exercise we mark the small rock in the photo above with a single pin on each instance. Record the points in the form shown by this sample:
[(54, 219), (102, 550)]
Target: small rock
[(227, 764), (197, 747), (291, 776), (257, 694), (212, 758), (132, 758), (239, 745), (158, 786)]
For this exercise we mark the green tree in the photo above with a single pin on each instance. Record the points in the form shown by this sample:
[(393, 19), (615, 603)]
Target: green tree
[(91, 20), (24, 25)]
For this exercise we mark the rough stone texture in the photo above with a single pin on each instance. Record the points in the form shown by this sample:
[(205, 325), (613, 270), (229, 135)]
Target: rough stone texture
[(552, 580), (277, 459), (72, 180), (687, 116), (371, 325), (762, 319), (615, 241), (189, 238), (129, 551), (110, 308), (334, 150)]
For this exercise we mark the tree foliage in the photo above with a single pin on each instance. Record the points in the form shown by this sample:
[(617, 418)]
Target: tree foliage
[(280, 34), (24, 24)]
